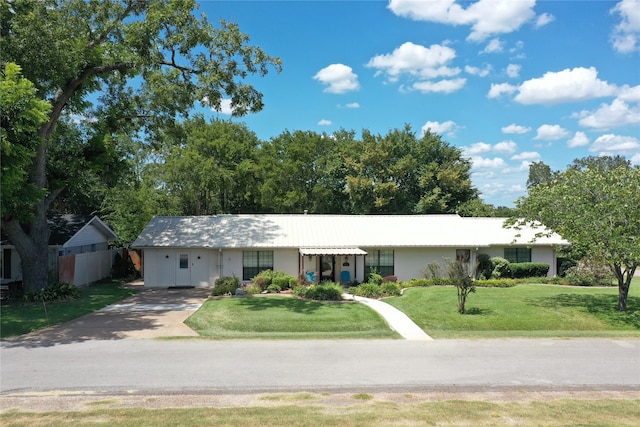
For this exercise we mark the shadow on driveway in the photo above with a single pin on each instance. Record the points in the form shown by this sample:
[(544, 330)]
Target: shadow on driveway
[(151, 313)]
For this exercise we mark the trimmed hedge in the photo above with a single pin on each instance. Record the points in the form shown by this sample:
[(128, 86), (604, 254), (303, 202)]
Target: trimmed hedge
[(521, 270)]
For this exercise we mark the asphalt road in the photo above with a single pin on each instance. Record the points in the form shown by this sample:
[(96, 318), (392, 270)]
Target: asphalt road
[(178, 366)]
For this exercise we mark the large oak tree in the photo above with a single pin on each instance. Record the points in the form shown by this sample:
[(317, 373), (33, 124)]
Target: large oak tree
[(129, 68)]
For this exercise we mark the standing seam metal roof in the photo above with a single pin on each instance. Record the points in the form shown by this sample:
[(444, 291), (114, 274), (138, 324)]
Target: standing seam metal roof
[(333, 231)]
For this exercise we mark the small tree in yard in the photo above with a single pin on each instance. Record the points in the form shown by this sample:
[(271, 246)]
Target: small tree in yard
[(459, 275), (595, 205)]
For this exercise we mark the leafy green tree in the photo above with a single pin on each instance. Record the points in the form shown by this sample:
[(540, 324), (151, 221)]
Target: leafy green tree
[(21, 112), (539, 173), (399, 173), (213, 169), (149, 61), (596, 207), (300, 171)]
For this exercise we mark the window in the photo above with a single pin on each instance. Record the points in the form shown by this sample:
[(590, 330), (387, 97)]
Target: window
[(253, 262), (517, 254), (381, 262), (184, 260)]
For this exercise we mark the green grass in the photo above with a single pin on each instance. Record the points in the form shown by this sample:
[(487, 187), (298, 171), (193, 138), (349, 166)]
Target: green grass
[(523, 311), (17, 317), (281, 317), (353, 413)]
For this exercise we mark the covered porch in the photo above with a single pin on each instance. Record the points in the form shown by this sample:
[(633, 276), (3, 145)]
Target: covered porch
[(340, 265)]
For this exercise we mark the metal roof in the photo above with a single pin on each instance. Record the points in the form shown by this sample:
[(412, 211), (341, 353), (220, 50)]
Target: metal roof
[(333, 231)]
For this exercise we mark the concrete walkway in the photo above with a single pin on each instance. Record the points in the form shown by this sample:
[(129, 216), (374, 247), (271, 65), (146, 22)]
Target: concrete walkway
[(397, 320)]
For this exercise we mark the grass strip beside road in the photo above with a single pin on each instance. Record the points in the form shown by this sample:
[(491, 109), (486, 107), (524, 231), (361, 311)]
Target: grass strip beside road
[(523, 311), (283, 317), (350, 411), (17, 317)]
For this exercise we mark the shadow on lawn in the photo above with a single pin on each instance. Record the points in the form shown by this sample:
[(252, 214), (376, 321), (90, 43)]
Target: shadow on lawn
[(601, 306), (297, 305)]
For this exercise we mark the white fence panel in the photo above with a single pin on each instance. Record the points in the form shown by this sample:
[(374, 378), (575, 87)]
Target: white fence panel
[(92, 266)]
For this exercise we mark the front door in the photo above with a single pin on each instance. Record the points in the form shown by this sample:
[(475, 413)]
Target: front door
[(327, 268), (199, 268), (183, 276)]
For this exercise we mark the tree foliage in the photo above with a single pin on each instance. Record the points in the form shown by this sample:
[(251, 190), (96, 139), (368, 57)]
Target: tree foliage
[(595, 205), (21, 113), (149, 62)]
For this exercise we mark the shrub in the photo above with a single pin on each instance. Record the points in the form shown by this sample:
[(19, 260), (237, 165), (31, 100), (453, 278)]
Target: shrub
[(52, 293), (495, 283), (432, 271), (564, 264), (390, 289), (586, 274), (374, 278), (274, 289), (389, 279), (327, 291), (520, 270), (367, 290), (412, 283), (282, 281), (484, 266), (266, 278), (225, 285), (260, 283), (501, 268)]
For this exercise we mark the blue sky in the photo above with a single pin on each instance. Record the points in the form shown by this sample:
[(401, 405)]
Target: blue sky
[(509, 82)]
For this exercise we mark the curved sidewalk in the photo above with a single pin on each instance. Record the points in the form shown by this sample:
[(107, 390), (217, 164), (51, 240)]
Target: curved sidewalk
[(397, 320)]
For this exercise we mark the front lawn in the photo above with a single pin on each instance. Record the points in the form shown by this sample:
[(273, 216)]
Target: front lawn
[(523, 311), (17, 317), (282, 317)]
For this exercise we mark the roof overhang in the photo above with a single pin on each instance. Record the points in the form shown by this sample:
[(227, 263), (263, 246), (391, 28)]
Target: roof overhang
[(331, 251)]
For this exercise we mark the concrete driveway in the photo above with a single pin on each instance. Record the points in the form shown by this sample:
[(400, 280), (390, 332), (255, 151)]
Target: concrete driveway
[(151, 313)]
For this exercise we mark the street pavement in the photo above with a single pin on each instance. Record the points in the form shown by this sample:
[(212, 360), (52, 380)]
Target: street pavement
[(194, 365), (116, 350)]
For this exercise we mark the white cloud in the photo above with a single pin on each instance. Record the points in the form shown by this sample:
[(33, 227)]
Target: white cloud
[(506, 147), (350, 105), (626, 35), (225, 107), (486, 17), (513, 70), (577, 84), (416, 60), (481, 162), (611, 144), (443, 86), (514, 128), (325, 122), (477, 148), (551, 132), (580, 139), (630, 94), (608, 116), (477, 71), (339, 78), (526, 155), (544, 19), (497, 90), (449, 127), (494, 46)]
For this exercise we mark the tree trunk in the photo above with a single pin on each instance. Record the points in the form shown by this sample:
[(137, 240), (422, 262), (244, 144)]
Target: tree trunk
[(32, 244), (624, 282)]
